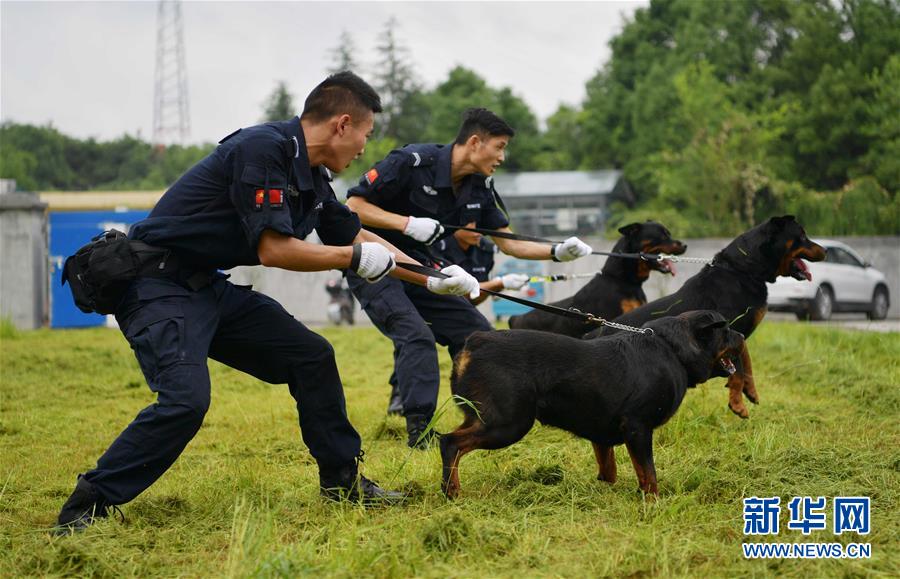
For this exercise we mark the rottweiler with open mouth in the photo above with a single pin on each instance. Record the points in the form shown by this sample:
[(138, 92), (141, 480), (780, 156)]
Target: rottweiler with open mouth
[(617, 288), (611, 390), (734, 285)]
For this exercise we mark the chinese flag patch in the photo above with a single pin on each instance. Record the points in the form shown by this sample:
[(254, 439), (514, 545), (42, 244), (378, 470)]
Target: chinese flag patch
[(276, 198), (371, 175)]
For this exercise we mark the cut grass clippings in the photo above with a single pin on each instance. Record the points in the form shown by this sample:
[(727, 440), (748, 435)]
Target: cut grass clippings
[(243, 498)]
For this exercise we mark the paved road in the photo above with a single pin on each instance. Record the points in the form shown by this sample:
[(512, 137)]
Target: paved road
[(847, 321)]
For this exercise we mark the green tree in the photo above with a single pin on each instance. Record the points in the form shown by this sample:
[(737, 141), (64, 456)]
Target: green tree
[(799, 96), (343, 55), (464, 89), (395, 82), (48, 147), (882, 127), (19, 165), (722, 174), (280, 104), (559, 145), (42, 158)]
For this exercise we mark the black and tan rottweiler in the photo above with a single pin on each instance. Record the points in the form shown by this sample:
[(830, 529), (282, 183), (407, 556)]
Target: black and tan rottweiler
[(735, 286), (614, 291), (611, 390)]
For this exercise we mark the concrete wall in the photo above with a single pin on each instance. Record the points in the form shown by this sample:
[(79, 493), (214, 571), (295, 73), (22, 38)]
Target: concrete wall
[(882, 252), (24, 260), (303, 294)]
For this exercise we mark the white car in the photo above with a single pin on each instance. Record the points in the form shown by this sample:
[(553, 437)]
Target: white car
[(843, 282)]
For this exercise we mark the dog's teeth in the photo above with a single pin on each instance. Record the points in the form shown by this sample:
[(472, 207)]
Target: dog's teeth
[(728, 365)]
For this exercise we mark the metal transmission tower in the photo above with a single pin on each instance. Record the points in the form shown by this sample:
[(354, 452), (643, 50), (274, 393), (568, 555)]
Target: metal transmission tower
[(171, 118)]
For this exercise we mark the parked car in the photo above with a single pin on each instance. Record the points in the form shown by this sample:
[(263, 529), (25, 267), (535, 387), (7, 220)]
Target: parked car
[(843, 282)]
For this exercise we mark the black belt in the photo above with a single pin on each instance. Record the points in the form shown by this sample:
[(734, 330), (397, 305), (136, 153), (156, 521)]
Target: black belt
[(170, 266)]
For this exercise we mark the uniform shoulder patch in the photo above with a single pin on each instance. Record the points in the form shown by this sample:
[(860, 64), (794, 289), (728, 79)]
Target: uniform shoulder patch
[(419, 159), (371, 175)]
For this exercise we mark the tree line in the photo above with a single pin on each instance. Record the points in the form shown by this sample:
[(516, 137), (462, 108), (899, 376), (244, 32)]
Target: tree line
[(718, 113)]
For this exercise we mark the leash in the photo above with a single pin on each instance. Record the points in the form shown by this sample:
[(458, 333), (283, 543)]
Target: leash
[(560, 277), (568, 313), (519, 237)]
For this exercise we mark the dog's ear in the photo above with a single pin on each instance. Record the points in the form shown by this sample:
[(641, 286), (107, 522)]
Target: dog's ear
[(782, 221), (713, 324), (703, 319), (704, 323), (630, 229)]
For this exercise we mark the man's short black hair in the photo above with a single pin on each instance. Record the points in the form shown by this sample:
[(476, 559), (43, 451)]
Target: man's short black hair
[(484, 123), (340, 93)]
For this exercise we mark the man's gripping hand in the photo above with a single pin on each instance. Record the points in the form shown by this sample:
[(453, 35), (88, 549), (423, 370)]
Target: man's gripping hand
[(372, 261), (571, 249), (423, 229), (459, 283), (513, 281)]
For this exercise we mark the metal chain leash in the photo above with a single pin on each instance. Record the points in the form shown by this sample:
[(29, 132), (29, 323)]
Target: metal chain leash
[(664, 256), (560, 277), (567, 312), (618, 326)]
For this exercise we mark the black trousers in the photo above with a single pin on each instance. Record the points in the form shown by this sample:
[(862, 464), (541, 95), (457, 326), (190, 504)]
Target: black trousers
[(414, 319), (173, 331)]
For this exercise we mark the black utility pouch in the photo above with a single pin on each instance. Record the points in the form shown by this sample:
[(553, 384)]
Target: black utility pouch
[(99, 272)]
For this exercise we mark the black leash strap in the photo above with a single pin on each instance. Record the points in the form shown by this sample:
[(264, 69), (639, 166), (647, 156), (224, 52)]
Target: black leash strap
[(516, 236), (503, 234), (644, 256), (568, 313)]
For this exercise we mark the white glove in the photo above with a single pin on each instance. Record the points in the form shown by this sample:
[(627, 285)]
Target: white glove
[(372, 261), (423, 229), (571, 249), (459, 283), (513, 281)]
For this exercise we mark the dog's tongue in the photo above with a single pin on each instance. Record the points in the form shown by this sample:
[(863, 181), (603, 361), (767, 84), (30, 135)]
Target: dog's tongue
[(670, 267), (802, 271)]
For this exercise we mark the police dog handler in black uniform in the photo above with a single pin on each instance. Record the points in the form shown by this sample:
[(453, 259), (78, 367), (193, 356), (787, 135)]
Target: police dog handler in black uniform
[(251, 201), (405, 198)]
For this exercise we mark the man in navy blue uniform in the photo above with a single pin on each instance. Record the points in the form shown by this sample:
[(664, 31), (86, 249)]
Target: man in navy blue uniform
[(405, 198), (251, 201)]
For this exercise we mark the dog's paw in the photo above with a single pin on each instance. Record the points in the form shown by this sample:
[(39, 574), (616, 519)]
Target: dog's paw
[(751, 393), (739, 409)]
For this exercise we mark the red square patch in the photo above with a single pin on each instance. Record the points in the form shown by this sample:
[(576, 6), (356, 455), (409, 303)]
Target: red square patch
[(276, 197), (371, 175)]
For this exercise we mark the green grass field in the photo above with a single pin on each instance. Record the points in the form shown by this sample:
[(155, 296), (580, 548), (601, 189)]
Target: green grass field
[(243, 498)]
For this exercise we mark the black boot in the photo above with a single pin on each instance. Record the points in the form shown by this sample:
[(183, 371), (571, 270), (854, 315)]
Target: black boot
[(346, 484), (395, 405), (416, 429), (81, 509)]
